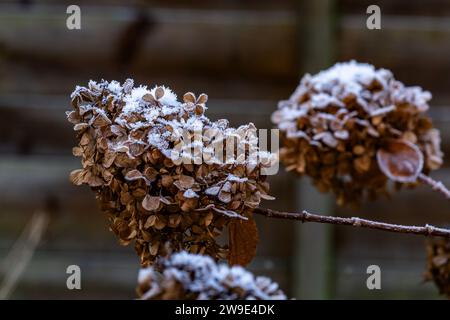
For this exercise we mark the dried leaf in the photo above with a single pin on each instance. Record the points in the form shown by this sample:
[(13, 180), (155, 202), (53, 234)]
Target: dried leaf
[(133, 175), (243, 239), (203, 98)]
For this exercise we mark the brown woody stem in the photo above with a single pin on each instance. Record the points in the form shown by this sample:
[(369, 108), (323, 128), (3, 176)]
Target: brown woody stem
[(435, 185), (305, 216)]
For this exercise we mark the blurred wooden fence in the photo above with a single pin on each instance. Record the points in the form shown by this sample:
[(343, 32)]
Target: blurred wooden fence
[(246, 55)]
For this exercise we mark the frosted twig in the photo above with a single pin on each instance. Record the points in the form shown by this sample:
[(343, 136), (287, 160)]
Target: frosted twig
[(305, 216), (435, 185)]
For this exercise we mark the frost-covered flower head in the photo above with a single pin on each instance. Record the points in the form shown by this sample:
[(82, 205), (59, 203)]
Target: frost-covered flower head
[(352, 127), (126, 138)]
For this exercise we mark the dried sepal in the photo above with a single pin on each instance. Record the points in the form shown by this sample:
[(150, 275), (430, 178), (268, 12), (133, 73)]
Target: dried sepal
[(151, 203), (400, 160)]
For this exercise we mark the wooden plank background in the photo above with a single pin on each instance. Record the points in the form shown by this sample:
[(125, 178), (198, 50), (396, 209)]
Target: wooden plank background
[(246, 55)]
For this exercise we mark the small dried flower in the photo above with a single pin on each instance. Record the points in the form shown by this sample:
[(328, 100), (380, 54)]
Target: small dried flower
[(127, 139), (352, 127), (195, 277), (438, 264)]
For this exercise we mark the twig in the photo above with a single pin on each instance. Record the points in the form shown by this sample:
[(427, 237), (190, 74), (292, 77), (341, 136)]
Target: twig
[(21, 253), (435, 185), (305, 216)]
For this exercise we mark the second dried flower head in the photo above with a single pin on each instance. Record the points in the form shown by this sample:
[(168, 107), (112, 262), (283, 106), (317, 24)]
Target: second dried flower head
[(352, 127)]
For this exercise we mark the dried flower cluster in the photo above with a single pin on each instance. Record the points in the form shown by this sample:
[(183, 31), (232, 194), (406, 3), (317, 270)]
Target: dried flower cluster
[(352, 127), (438, 264), (127, 138), (195, 277)]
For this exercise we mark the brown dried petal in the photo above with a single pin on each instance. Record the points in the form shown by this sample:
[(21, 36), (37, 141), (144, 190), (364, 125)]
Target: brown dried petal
[(400, 160), (148, 97), (186, 182), (266, 196), (80, 126), (159, 93), (150, 222), (108, 158), (151, 203), (77, 151), (212, 191), (224, 196), (128, 85), (189, 97)]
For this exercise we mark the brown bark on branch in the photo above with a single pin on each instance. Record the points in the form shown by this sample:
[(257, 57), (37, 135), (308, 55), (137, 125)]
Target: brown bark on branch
[(305, 216)]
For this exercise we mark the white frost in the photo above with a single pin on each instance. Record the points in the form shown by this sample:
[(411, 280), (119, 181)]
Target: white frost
[(169, 98), (200, 274)]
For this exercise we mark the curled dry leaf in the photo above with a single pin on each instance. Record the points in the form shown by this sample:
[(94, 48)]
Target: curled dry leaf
[(243, 240), (133, 175), (400, 160), (151, 203)]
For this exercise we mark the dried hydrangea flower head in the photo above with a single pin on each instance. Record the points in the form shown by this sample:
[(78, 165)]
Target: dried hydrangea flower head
[(438, 264), (196, 277), (353, 127), (128, 137)]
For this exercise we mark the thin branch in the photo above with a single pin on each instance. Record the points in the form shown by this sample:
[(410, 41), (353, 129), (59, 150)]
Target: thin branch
[(22, 252), (435, 185), (305, 216)]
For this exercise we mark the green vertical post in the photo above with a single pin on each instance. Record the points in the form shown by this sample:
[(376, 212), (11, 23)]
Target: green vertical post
[(313, 263)]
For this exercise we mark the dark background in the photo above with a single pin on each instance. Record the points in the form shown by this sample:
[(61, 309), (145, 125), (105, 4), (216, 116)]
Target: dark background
[(246, 55)]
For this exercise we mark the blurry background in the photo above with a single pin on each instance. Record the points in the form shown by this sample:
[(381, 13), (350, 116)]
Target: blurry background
[(245, 55)]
